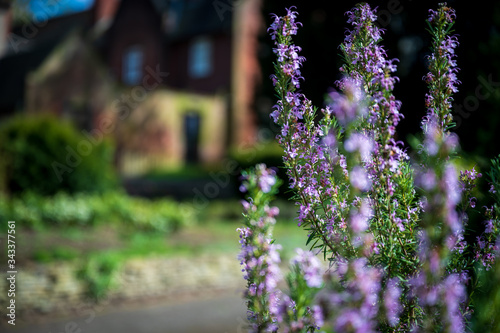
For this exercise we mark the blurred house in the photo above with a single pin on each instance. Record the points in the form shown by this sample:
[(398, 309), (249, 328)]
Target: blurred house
[(172, 81)]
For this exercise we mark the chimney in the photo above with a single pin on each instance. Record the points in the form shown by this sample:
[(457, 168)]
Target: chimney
[(104, 12)]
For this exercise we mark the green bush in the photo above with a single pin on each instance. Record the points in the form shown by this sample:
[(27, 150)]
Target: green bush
[(270, 154), (46, 155), (35, 211), (56, 253), (487, 301), (98, 273)]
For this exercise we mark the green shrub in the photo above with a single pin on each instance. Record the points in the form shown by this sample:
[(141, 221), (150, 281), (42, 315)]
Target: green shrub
[(270, 154), (43, 154), (149, 215), (64, 209), (56, 253), (35, 211), (28, 210), (98, 273), (4, 214), (487, 301), (187, 172)]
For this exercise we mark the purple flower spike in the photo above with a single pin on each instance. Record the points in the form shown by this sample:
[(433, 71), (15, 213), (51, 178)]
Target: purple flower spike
[(442, 66), (349, 106), (359, 179)]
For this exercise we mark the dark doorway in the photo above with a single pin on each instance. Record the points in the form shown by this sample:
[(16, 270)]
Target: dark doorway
[(192, 133)]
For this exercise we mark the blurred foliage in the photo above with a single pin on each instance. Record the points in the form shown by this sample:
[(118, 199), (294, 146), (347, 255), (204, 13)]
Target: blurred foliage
[(494, 182), (230, 210), (98, 274), (62, 210), (222, 210), (187, 172), (487, 297), (45, 155), (270, 153), (249, 157), (58, 253), (487, 301)]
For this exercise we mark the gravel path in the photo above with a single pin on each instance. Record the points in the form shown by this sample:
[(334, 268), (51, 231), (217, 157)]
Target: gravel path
[(223, 313)]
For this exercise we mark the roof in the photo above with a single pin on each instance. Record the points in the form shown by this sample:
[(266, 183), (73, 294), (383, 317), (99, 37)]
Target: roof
[(194, 17), (27, 37), (27, 49)]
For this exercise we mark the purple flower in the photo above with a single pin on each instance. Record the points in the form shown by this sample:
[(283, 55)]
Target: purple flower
[(266, 178), (442, 79), (391, 301), (427, 180), (360, 143), (432, 135), (359, 179), (364, 289), (318, 317), (310, 266), (444, 13), (489, 226), (351, 319), (453, 193), (361, 216), (349, 106), (259, 256), (454, 296)]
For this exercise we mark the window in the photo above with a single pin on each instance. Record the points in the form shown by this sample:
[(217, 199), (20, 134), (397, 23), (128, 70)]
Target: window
[(200, 58), (132, 65)]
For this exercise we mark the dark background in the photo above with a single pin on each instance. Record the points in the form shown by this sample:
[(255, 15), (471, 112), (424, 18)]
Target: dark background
[(405, 38)]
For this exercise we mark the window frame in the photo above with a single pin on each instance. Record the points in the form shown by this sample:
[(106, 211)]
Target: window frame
[(200, 60)]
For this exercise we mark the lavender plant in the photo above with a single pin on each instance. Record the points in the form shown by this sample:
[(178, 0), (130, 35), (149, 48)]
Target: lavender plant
[(393, 231), (259, 256), (487, 296), (267, 305), (395, 205)]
